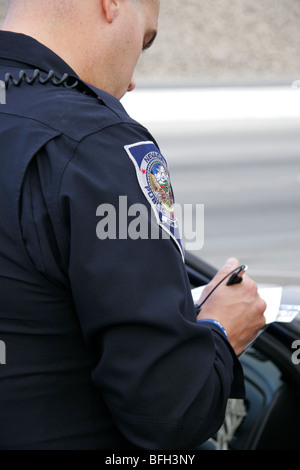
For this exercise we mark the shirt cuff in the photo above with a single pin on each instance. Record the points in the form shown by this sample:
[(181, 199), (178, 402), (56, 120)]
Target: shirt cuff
[(216, 323)]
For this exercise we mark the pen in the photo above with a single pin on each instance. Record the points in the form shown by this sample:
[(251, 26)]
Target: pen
[(235, 278)]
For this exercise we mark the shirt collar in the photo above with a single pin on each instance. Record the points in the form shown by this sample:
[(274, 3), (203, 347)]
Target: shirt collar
[(28, 52)]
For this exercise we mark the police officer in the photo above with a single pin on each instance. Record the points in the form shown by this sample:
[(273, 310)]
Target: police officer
[(103, 346)]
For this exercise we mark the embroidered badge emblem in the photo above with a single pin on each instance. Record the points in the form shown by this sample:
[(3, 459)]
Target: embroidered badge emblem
[(153, 177)]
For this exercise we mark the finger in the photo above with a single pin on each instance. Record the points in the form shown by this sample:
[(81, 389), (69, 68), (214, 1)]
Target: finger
[(230, 265)]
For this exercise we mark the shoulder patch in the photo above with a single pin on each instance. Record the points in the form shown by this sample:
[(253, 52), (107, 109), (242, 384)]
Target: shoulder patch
[(154, 180)]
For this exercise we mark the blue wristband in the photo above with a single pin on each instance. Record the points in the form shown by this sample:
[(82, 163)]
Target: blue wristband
[(214, 322)]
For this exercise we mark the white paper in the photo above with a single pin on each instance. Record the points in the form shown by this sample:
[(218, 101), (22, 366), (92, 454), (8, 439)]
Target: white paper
[(287, 313), (272, 296), (196, 293)]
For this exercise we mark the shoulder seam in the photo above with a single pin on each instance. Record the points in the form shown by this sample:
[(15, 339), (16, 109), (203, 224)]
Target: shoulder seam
[(78, 143), (89, 132)]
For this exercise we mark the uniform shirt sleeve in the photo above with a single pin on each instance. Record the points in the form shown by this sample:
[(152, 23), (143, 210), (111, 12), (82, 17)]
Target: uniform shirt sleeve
[(165, 379)]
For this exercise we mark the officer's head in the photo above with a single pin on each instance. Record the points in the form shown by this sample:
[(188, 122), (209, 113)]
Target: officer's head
[(100, 39)]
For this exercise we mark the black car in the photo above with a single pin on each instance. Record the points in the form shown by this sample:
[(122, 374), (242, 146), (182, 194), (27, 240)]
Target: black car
[(269, 417)]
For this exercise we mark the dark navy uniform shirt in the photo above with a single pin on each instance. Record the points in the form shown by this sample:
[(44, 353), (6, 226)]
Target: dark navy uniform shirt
[(103, 350)]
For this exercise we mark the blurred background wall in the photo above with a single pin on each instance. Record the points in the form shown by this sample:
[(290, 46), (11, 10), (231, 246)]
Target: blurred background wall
[(209, 41)]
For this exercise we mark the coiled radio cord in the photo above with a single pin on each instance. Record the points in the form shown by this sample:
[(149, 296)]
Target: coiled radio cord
[(66, 81)]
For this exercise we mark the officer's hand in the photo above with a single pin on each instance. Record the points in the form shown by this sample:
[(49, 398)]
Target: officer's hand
[(238, 307)]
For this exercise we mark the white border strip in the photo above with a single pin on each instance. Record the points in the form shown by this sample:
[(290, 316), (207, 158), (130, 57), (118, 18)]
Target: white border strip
[(186, 105)]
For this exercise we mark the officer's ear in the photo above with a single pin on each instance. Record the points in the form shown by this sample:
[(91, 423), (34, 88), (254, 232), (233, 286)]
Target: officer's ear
[(110, 9)]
